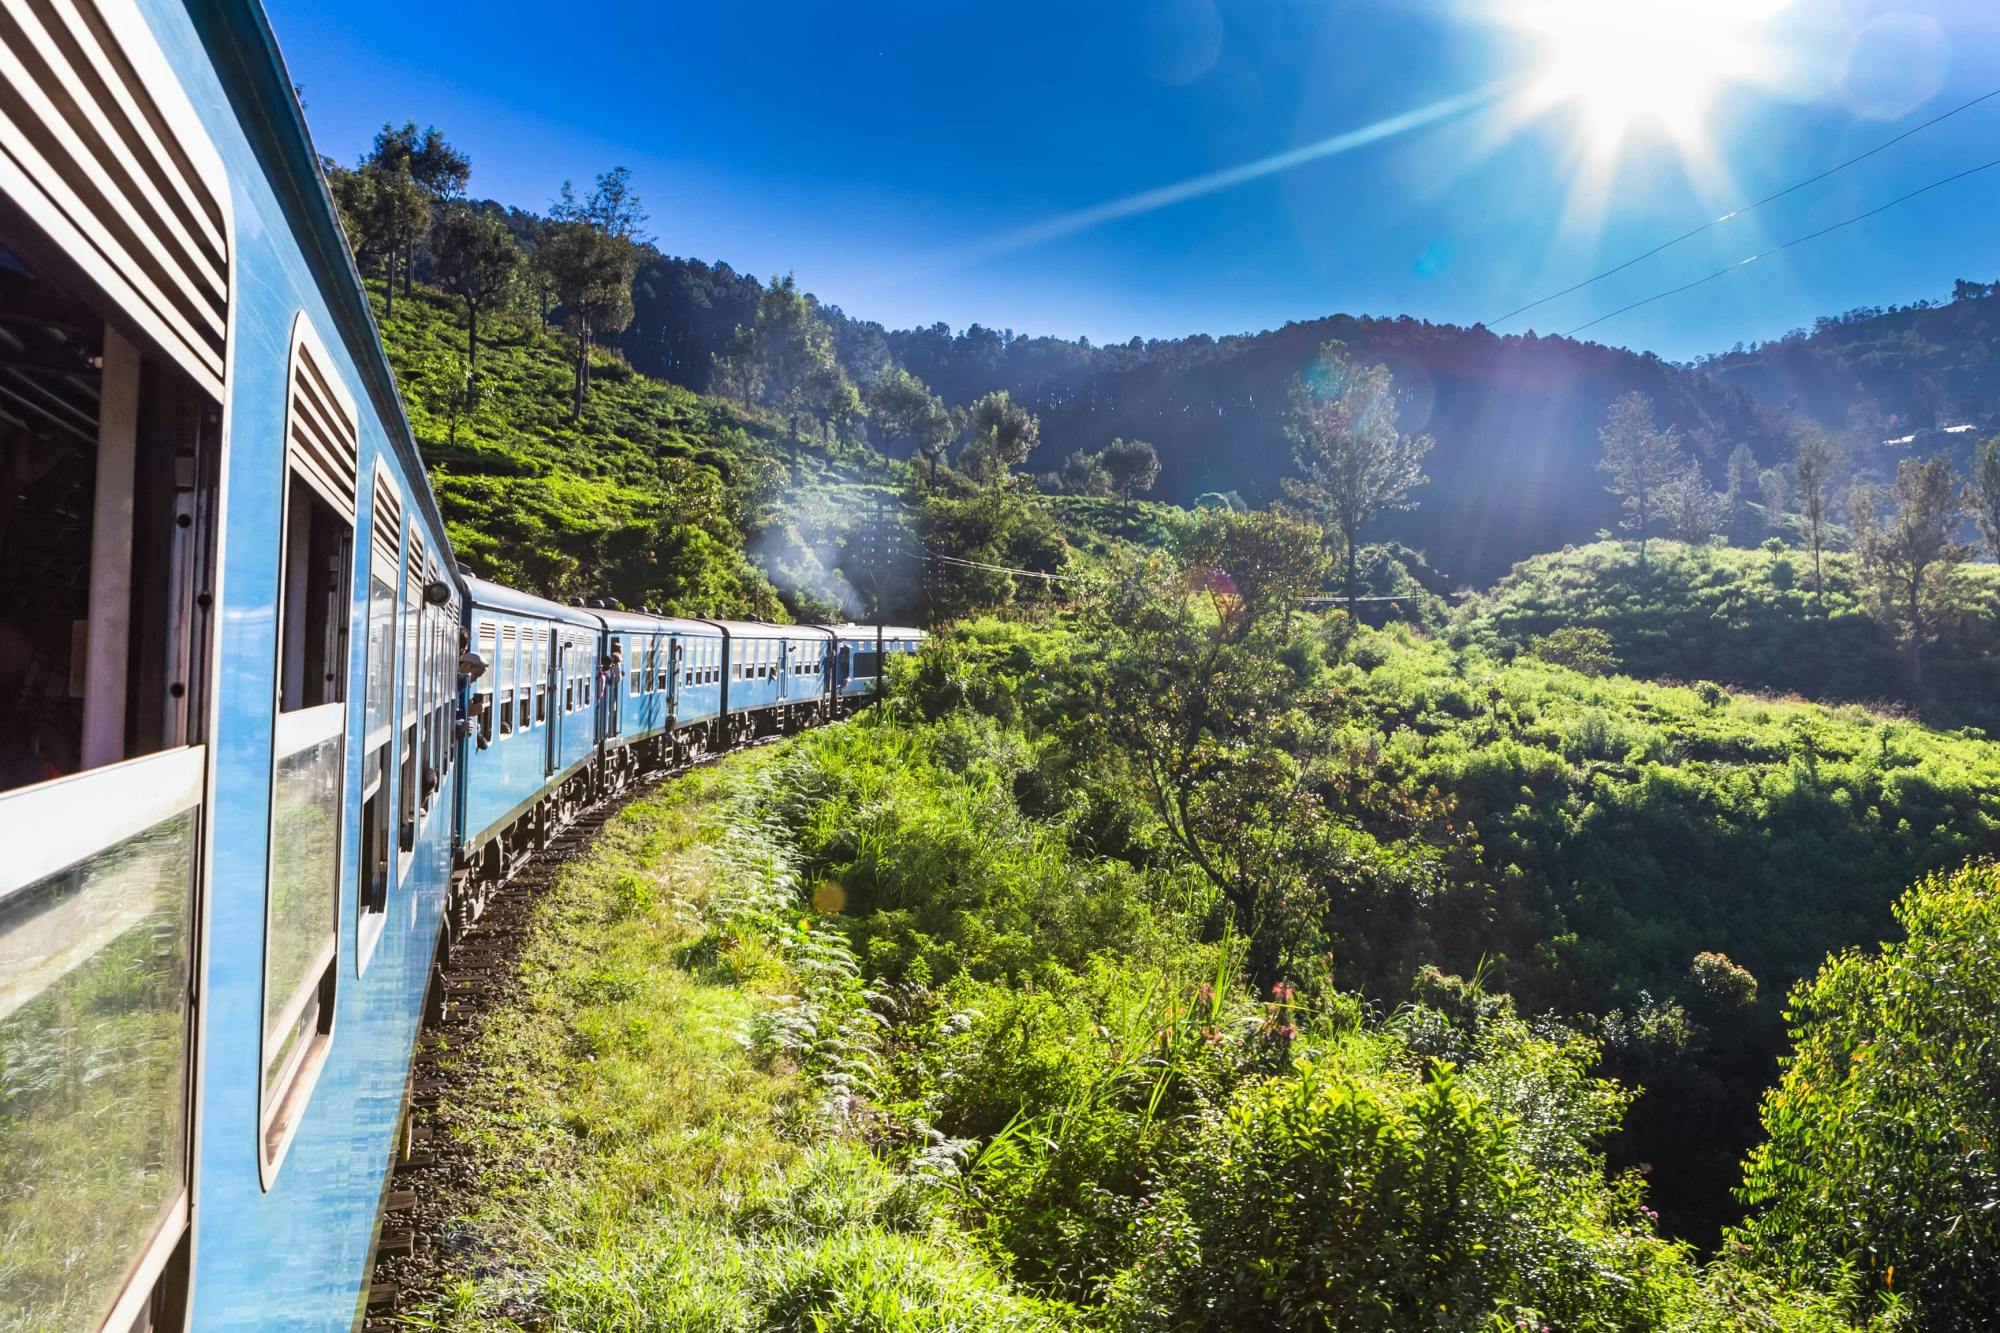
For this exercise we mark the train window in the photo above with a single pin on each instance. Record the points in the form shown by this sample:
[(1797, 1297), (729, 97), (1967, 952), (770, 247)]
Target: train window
[(385, 564), (109, 450), (409, 720), (482, 706), (309, 779), (542, 651), (504, 686), (524, 679)]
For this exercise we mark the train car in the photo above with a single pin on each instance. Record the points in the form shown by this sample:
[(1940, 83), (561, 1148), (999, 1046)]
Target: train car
[(263, 746), (226, 646), (756, 656), (857, 655), (531, 740), (694, 711)]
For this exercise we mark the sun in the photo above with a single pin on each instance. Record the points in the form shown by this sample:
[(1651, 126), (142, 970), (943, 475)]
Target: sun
[(1627, 67)]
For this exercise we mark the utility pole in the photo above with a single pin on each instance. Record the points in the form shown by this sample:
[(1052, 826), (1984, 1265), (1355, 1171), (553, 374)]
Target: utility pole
[(871, 549)]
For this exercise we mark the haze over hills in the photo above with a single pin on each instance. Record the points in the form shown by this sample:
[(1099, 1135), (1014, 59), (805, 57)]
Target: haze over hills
[(1515, 417)]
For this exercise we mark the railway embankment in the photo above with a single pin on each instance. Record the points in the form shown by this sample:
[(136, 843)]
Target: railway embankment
[(658, 1108)]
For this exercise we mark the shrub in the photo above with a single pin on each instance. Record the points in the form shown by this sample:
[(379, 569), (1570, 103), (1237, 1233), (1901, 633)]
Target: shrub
[(1578, 647)]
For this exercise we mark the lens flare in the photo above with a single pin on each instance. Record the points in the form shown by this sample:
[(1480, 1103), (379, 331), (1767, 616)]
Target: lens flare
[(1623, 67)]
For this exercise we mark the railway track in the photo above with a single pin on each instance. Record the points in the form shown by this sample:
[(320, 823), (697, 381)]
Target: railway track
[(419, 1239)]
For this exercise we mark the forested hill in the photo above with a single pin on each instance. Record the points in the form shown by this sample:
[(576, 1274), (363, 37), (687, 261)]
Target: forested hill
[(1884, 373), (1515, 418)]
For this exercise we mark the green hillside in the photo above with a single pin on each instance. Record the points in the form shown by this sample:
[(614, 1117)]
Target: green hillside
[(1745, 618), (656, 496)]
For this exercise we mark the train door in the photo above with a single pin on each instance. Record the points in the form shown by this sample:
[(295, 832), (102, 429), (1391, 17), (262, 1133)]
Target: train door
[(115, 281), (614, 687), (551, 687)]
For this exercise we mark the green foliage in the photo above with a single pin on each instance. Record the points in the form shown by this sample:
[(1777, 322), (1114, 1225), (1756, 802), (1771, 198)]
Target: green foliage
[(1745, 618), (1579, 647), (1880, 1157)]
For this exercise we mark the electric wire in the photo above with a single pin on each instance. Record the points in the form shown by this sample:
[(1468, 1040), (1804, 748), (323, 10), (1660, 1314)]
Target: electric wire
[(1777, 249), (1739, 212)]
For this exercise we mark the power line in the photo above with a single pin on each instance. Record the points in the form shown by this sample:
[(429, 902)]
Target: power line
[(1776, 249), (997, 569), (1739, 212)]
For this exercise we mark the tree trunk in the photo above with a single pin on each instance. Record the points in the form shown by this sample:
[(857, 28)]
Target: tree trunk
[(1353, 557), (582, 372), (1916, 645), (409, 264), (389, 284)]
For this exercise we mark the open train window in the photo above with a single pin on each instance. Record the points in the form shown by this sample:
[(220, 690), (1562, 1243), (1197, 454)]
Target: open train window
[(543, 640), (504, 686), (482, 698), (525, 679), (309, 753), (409, 722), (385, 567), (110, 445)]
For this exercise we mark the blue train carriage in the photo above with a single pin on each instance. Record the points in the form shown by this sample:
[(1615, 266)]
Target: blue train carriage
[(639, 722), (764, 692), (694, 706), (226, 646), (858, 651), (530, 742)]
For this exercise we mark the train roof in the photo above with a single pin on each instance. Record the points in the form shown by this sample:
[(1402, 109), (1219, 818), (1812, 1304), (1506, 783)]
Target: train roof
[(499, 597), (646, 622), (851, 630), (764, 629)]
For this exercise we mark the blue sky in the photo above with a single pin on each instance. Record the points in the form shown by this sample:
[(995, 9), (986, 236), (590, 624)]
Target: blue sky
[(915, 162)]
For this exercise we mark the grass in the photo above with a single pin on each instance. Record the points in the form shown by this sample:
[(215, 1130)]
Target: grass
[(671, 1109)]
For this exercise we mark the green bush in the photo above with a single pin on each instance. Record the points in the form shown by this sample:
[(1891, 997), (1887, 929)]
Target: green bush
[(1883, 1128)]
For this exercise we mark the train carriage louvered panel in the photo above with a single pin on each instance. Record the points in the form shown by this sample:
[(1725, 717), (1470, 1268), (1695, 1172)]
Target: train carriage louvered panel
[(101, 149), (418, 561), (321, 424), (385, 531)]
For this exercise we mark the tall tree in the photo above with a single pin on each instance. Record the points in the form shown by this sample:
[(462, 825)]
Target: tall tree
[(1984, 493), (477, 261), (384, 212), (1001, 435), (1777, 489), (589, 256), (1196, 696), (785, 359), (1739, 489), (1133, 466), (1907, 552), (1354, 464), (436, 170), (1640, 458), (1083, 473), (1689, 509), (1813, 469), (904, 409)]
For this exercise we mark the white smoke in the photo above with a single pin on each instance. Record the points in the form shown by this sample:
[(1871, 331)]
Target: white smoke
[(800, 549)]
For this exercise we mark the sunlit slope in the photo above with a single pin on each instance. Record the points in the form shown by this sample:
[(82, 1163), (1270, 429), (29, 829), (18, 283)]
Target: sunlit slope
[(1749, 618), (654, 496)]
